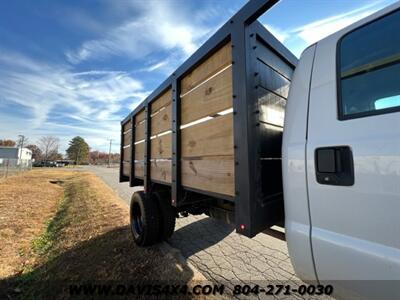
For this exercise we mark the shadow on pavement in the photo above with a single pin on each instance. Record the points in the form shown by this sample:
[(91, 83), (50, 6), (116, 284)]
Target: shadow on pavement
[(200, 235)]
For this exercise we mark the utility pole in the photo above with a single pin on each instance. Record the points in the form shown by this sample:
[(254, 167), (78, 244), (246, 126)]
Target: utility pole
[(21, 144), (109, 154)]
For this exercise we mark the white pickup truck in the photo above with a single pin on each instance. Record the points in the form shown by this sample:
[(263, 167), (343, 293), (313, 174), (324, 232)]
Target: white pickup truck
[(341, 158), (211, 139)]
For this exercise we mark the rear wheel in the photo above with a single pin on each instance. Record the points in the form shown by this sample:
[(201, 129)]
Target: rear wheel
[(167, 214), (144, 219)]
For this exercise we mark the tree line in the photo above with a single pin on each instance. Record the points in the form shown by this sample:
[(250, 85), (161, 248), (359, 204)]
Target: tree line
[(47, 149)]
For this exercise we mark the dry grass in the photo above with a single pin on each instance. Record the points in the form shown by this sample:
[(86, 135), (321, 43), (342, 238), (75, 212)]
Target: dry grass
[(26, 202), (85, 238)]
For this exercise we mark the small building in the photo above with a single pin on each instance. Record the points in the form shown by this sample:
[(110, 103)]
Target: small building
[(18, 156)]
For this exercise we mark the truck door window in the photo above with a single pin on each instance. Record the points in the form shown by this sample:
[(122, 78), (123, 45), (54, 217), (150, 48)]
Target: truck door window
[(369, 69)]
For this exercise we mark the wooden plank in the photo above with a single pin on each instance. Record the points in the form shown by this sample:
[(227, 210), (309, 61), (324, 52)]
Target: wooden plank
[(126, 168), (162, 121), (127, 154), (139, 151), (127, 126), (210, 98), (139, 169), (161, 146), (160, 170), (163, 100), (211, 138), (139, 132), (216, 62), (127, 138), (139, 117), (209, 175)]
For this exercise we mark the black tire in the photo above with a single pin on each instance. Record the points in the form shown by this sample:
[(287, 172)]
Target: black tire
[(144, 220), (167, 214)]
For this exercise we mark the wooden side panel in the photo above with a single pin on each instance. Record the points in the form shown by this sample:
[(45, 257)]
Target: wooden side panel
[(210, 175), (127, 154), (207, 148), (139, 151), (161, 170), (162, 121), (161, 146), (139, 132), (213, 64), (139, 169), (212, 138), (127, 138), (139, 117), (208, 99), (127, 126), (126, 168), (162, 101)]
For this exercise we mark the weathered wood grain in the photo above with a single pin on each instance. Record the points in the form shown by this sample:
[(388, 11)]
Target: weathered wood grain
[(127, 138), (139, 151), (127, 154), (139, 117), (139, 132), (162, 121), (208, 99), (209, 175), (161, 146), (216, 62), (127, 126), (126, 168), (210, 138), (163, 100), (139, 168), (160, 170)]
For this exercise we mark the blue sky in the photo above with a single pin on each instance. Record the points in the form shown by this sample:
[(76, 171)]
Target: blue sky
[(74, 67)]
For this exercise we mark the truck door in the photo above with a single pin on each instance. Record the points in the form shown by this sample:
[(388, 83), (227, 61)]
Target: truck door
[(353, 157)]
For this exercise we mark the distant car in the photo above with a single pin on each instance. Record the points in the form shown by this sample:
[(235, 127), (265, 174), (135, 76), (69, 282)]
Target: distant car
[(48, 164), (37, 164)]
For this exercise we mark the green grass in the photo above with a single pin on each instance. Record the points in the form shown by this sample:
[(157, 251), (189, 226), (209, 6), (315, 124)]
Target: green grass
[(44, 245), (45, 242)]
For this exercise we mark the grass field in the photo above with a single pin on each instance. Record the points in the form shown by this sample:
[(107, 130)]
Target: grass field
[(65, 226)]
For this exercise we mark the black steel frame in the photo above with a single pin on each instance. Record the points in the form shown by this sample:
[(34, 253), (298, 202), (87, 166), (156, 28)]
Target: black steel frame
[(122, 177), (241, 30)]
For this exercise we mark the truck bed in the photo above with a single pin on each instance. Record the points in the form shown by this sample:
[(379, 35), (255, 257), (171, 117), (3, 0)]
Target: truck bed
[(214, 129)]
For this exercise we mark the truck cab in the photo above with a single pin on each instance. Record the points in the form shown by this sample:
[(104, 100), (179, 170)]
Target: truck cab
[(341, 159)]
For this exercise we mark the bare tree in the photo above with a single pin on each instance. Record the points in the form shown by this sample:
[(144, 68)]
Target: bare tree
[(48, 144), (8, 143)]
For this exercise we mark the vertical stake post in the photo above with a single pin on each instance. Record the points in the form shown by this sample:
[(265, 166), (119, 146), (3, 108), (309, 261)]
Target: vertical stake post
[(176, 145), (147, 151)]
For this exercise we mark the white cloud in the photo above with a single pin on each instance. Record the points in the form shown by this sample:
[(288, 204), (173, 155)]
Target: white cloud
[(317, 30), (281, 35), (41, 92), (156, 28)]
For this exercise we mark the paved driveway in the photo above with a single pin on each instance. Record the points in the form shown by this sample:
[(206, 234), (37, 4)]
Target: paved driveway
[(217, 251)]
